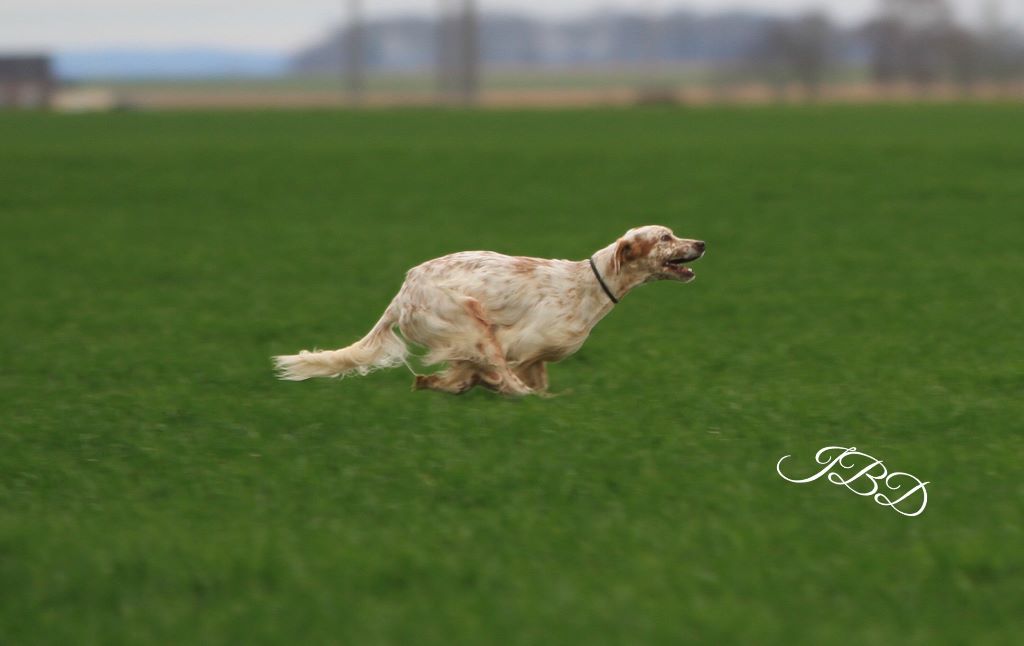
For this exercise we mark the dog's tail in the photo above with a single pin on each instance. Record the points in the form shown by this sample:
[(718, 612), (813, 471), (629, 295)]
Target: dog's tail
[(381, 348)]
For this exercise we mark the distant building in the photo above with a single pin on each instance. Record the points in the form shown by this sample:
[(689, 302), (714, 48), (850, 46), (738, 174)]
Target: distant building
[(26, 82)]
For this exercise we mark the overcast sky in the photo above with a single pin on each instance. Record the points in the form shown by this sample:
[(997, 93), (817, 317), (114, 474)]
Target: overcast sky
[(284, 25)]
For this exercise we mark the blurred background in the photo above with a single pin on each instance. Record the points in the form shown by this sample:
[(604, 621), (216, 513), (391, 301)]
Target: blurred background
[(106, 54), (159, 486)]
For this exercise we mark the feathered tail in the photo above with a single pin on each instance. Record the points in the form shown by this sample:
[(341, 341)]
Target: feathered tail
[(381, 348)]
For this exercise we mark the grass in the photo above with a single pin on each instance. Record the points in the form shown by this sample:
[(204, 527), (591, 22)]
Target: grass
[(862, 287)]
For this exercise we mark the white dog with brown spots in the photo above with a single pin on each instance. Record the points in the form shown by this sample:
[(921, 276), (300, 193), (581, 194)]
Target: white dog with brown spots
[(498, 320)]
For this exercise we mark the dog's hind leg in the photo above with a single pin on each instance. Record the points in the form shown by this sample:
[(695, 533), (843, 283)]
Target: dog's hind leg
[(457, 329), (534, 375), (495, 372), (457, 379)]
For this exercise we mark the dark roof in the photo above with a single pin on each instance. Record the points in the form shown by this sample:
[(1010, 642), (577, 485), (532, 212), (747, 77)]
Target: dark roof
[(25, 68)]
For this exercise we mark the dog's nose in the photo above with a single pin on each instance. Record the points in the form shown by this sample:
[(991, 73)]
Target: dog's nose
[(699, 244)]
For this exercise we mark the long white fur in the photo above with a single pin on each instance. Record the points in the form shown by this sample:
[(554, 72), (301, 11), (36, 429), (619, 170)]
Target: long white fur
[(495, 312), (381, 348)]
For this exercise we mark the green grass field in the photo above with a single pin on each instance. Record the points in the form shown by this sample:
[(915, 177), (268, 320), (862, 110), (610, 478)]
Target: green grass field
[(862, 287)]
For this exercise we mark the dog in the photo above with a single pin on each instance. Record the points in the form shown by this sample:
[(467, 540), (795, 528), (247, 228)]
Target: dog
[(497, 320)]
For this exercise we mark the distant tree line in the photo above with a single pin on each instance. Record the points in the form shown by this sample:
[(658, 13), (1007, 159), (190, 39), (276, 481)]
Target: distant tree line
[(918, 41), (408, 43), (909, 41)]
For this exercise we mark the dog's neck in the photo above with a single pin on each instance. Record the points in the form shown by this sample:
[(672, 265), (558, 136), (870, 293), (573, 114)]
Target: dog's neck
[(618, 280), (594, 302)]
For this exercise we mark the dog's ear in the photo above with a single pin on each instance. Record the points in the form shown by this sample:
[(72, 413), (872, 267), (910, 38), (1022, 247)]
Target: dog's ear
[(624, 252)]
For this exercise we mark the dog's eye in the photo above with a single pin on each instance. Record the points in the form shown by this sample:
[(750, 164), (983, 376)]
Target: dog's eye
[(666, 238)]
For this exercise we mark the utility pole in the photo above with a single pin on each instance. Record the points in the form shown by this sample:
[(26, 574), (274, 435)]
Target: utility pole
[(353, 63), (444, 50), (458, 51), (470, 50)]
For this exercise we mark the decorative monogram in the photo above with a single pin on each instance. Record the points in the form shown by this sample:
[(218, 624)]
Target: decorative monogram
[(868, 472)]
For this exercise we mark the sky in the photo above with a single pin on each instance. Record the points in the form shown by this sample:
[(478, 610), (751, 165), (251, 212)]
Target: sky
[(287, 25)]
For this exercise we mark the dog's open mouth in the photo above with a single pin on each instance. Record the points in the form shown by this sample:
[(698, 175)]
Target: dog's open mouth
[(677, 267)]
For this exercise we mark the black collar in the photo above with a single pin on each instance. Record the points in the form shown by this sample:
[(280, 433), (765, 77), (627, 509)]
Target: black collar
[(597, 275)]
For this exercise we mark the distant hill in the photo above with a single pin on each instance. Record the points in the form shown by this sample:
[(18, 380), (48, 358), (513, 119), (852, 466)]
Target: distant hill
[(167, 63)]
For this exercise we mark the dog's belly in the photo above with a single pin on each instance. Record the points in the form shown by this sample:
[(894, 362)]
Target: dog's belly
[(534, 339)]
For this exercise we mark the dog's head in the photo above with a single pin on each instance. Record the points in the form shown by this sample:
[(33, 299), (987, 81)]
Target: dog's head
[(655, 253)]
